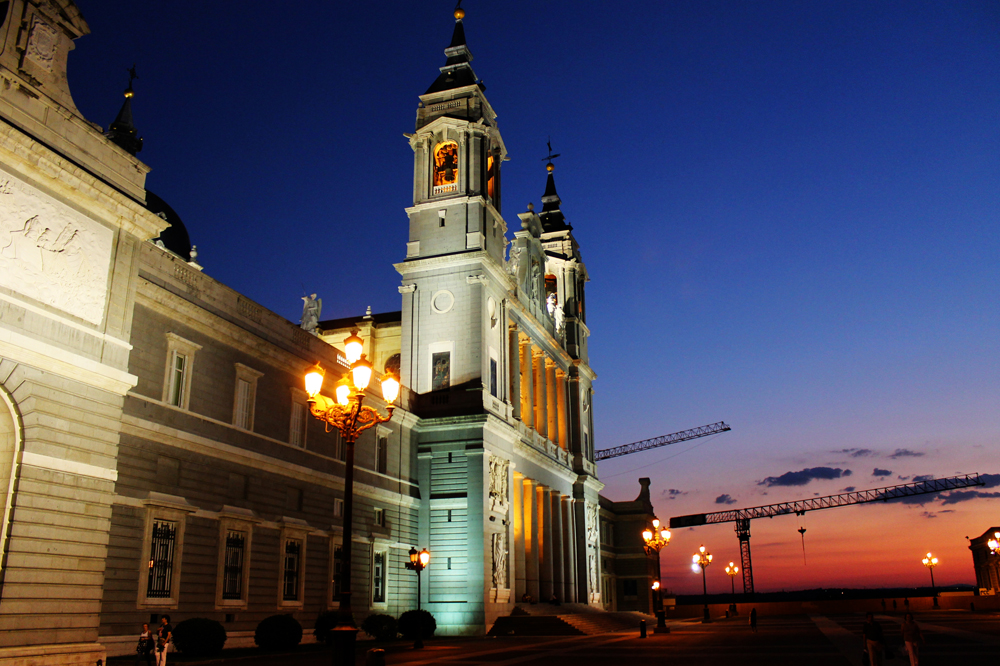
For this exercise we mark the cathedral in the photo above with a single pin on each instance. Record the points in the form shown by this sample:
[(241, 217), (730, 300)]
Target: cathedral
[(157, 452)]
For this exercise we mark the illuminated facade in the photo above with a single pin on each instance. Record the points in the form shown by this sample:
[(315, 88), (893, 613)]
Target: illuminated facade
[(155, 442)]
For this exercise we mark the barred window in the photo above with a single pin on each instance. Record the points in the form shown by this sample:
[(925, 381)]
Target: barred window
[(290, 588), (378, 577), (297, 435), (337, 567), (232, 568), (161, 559)]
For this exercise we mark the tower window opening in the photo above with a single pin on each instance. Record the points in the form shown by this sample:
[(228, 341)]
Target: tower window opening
[(446, 167)]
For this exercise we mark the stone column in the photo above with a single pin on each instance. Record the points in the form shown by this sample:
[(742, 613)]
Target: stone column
[(541, 420), (530, 537), (517, 509), (552, 428), (571, 548), (561, 408), (558, 544), (514, 368), (527, 383), (567, 548), (545, 547)]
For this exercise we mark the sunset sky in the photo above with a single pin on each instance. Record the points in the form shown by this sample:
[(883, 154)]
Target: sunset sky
[(789, 212)]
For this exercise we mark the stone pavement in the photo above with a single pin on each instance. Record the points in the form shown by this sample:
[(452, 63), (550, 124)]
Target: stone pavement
[(956, 638)]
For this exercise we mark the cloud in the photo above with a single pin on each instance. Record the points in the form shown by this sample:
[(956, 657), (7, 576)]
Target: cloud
[(673, 493), (923, 477), (934, 514), (906, 453), (965, 495), (857, 453), (804, 476), (990, 480), (881, 472), (849, 489), (724, 499), (902, 478)]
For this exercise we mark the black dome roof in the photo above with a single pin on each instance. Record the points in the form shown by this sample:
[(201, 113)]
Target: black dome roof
[(175, 237)]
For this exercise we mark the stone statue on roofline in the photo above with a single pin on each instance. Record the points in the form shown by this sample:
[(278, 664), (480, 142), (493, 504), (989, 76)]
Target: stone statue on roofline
[(311, 309)]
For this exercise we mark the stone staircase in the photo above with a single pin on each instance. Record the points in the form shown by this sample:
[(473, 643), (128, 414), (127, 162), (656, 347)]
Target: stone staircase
[(566, 620)]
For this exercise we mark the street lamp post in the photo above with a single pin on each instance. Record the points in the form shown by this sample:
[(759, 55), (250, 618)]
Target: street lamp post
[(655, 539), (731, 571), (417, 563), (930, 562), (350, 418), (702, 559)]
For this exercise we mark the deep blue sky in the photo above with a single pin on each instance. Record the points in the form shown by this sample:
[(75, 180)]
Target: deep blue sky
[(789, 212)]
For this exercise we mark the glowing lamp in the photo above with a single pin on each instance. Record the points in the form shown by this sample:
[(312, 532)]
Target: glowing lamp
[(694, 558), (647, 535), (353, 346), (314, 380), (656, 523), (425, 557), (390, 386), (656, 585), (343, 391), (665, 535), (361, 373), (695, 568)]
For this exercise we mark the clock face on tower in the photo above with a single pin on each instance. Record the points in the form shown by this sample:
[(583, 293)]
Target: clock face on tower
[(445, 165)]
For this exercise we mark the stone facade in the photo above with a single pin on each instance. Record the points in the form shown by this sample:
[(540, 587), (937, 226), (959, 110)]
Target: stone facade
[(156, 450), (71, 231)]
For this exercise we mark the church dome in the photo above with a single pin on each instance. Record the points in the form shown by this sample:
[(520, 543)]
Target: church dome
[(175, 237)]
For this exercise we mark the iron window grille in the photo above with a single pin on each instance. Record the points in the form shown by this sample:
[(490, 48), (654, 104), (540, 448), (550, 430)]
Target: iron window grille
[(290, 589), (337, 567), (378, 577), (232, 569), (161, 560)]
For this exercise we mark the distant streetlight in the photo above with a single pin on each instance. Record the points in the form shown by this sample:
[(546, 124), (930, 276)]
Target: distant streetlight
[(731, 571), (702, 559), (930, 562), (994, 543), (349, 417), (417, 563), (655, 539)]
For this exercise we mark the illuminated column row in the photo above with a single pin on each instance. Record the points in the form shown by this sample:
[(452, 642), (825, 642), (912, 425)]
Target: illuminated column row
[(544, 542), (539, 396)]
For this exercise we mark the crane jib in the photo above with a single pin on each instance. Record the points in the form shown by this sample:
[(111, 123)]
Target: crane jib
[(662, 440)]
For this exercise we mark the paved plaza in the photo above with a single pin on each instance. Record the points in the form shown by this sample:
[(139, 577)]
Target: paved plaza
[(952, 638)]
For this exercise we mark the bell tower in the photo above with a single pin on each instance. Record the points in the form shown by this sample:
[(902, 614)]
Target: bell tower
[(453, 276)]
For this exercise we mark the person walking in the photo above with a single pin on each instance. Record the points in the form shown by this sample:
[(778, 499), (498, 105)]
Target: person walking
[(912, 638), (753, 620), (165, 634), (874, 640), (144, 650)]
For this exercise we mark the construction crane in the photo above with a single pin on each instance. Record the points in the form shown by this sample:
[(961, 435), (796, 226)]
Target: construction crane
[(742, 516), (662, 440)]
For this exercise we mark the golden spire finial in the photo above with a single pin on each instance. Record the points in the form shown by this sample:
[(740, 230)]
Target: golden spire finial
[(459, 12)]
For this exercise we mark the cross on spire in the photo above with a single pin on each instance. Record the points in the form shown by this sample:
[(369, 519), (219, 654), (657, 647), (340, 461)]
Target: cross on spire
[(548, 158)]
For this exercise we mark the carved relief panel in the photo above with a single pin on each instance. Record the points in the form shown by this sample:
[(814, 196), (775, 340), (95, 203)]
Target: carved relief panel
[(499, 482), (51, 253)]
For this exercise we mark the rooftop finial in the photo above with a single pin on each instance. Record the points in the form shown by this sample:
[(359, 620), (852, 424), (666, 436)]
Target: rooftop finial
[(550, 167), (459, 12)]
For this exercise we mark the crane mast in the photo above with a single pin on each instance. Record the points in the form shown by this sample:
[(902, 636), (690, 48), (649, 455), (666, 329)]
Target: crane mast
[(742, 517)]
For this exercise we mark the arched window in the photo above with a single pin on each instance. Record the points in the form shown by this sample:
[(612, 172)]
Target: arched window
[(446, 167)]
